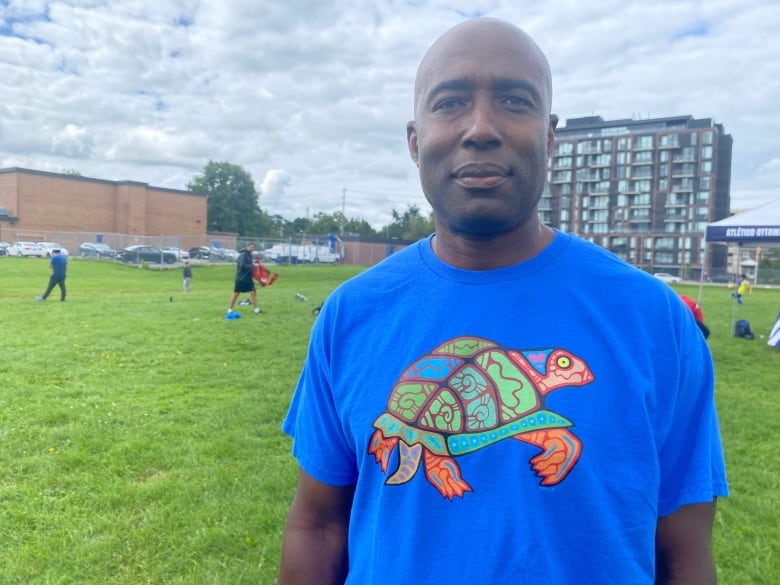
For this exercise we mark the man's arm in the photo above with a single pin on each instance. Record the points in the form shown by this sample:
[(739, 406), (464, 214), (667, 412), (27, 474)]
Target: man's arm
[(315, 541), (683, 546)]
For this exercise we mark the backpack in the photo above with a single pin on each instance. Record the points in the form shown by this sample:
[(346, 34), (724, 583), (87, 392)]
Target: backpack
[(742, 329)]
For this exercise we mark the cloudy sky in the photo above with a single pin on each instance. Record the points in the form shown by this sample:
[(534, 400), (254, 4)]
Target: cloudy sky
[(312, 97)]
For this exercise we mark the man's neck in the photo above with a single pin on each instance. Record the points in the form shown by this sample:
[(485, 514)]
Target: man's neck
[(478, 253)]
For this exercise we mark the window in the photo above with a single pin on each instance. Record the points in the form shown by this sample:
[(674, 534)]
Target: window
[(563, 161), (706, 137), (662, 185), (623, 143), (664, 156), (561, 176), (704, 182), (643, 142), (703, 197), (642, 185), (706, 152), (564, 148), (706, 167)]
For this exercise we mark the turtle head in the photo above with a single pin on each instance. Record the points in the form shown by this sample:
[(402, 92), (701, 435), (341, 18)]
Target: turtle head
[(555, 368)]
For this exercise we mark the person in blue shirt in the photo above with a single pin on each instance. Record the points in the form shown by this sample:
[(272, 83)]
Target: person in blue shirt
[(501, 402), (59, 270)]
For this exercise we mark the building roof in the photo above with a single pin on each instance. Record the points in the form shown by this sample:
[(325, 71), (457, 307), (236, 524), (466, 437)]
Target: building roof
[(74, 177)]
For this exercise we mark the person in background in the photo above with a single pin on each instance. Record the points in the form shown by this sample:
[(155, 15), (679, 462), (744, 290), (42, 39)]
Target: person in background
[(244, 282), (742, 288), (698, 314), (187, 276), (452, 424), (59, 270)]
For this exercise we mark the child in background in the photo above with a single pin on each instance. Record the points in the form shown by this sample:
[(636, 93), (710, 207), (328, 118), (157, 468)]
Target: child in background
[(743, 287), (187, 274)]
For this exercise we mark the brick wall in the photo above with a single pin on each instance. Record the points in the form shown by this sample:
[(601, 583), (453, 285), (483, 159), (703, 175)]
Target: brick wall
[(54, 202)]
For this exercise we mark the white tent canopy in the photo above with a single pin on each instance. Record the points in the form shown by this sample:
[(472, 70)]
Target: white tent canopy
[(758, 225)]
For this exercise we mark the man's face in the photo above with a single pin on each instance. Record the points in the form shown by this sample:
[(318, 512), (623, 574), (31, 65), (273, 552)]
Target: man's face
[(482, 131)]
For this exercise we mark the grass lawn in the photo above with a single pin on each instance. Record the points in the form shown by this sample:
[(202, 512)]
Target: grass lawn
[(140, 437)]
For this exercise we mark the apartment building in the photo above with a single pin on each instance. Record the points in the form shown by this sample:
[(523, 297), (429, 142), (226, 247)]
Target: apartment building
[(644, 189)]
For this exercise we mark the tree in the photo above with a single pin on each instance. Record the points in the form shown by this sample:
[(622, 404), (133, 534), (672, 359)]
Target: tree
[(410, 225), (231, 199)]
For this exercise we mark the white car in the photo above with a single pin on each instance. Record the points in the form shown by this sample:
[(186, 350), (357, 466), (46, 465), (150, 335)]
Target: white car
[(26, 249), (49, 246), (180, 254), (667, 278)]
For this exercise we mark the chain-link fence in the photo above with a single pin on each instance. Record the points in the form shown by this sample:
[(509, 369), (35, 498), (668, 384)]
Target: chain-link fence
[(301, 249)]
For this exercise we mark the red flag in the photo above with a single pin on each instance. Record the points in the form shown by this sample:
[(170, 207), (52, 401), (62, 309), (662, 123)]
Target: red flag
[(263, 276)]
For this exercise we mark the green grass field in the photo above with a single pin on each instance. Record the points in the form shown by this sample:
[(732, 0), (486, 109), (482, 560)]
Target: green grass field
[(140, 437)]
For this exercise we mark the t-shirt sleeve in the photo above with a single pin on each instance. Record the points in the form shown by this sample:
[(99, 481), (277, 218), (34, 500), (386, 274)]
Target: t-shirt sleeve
[(319, 442), (691, 453)]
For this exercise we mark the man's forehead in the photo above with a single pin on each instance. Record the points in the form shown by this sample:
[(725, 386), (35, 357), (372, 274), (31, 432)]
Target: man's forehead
[(469, 50)]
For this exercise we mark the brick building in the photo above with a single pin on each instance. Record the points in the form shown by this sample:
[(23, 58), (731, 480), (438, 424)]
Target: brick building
[(36, 203)]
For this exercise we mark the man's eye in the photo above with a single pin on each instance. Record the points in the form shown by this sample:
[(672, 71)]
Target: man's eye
[(447, 104), (520, 101)]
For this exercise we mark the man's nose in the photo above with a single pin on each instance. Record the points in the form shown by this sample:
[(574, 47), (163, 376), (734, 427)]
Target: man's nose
[(482, 126)]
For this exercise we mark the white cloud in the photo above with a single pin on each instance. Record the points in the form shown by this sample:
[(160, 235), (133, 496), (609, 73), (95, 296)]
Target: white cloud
[(151, 91), (274, 184)]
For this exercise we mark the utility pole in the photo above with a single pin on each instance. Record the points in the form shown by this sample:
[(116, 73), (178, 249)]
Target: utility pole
[(343, 210)]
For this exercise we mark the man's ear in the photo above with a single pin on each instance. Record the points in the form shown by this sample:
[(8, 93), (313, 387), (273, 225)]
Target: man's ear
[(411, 140), (551, 134)]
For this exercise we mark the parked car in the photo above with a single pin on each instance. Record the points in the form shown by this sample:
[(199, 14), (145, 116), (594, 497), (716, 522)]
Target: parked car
[(200, 252), (4, 248), (180, 254), (49, 246), (223, 254), (138, 254), (667, 278), (96, 250), (26, 249)]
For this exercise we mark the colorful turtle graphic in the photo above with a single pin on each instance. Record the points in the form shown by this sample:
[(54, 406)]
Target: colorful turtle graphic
[(469, 393)]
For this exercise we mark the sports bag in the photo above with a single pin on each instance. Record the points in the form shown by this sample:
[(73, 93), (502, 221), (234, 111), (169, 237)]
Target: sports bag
[(742, 329)]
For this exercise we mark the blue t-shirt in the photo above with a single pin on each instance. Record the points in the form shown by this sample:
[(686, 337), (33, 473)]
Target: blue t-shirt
[(521, 425), (59, 265)]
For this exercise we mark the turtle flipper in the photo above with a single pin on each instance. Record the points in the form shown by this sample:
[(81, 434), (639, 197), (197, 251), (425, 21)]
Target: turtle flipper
[(561, 450), (380, 448), (444, 474), (409, 463)]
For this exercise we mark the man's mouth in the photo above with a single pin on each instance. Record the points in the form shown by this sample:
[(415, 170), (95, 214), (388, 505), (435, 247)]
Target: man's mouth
[(480, 175)]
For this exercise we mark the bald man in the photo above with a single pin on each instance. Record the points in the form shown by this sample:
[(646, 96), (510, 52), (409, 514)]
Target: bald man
[(525, 407)]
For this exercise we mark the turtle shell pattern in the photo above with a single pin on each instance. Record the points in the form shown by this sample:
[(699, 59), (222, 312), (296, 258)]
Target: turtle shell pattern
[(467, 394)]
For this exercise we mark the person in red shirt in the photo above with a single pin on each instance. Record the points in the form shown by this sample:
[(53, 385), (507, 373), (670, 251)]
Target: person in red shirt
[(698, 314)]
